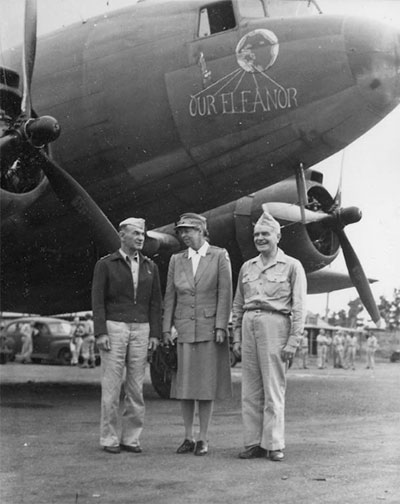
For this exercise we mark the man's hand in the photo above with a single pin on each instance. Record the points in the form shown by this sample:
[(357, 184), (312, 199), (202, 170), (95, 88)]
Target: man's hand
[(167, 338), (220, 335), (287, 354), (103, 342), (237, 349), (153, 344)]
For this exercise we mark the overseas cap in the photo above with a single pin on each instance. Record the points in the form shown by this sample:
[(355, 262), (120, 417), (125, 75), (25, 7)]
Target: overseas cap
[(133, 221), (192, 220), (266, 220)]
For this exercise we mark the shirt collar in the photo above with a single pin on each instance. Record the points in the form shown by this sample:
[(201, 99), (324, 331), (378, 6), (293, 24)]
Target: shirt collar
[(127, 258), (202, 250), (280, 257)]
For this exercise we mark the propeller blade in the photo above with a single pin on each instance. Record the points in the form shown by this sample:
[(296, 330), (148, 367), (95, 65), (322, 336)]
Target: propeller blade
[(337, 201), (293, 213), (301, 191), (72, 194), (28, 54), (358, 277)]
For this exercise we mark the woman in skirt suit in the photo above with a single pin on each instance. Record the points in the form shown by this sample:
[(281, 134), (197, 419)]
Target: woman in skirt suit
[(197, 302)]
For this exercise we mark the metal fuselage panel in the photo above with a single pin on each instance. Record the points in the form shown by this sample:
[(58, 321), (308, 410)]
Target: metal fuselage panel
[(156, 121)]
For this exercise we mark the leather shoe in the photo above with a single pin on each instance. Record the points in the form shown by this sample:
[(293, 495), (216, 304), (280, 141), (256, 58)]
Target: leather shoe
[(201, 448), (130, 448), (276, 455), (186, 447), (253, 452), (112, 449)]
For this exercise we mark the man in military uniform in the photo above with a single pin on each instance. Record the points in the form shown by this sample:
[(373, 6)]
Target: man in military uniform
[(126, 299), (268, 320)]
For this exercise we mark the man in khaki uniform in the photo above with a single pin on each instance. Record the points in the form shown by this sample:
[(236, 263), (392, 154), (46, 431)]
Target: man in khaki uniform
[(268, 320), (303, 348), (322, 348)]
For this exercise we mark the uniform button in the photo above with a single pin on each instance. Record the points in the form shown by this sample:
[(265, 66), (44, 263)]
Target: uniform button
[(192, 318), (192, 305)]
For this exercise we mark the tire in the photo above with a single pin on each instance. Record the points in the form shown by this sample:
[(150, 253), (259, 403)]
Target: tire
[(233, 360), (35, 360), (64, 356), (161, 380)]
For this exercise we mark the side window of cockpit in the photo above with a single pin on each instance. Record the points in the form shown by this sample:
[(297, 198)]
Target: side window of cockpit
[(216, 18)]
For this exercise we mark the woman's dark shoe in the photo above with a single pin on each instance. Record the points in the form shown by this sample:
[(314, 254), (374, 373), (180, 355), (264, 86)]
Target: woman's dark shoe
[(186, 447), (253, 452), (201, 448)]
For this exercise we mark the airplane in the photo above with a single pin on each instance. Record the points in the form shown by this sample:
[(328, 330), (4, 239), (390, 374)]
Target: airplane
[(216, 107)]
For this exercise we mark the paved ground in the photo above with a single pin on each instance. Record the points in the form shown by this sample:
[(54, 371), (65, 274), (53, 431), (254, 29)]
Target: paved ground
[(343, 443)]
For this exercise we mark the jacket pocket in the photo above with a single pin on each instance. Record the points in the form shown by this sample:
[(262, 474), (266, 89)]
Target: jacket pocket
[(210, 312)]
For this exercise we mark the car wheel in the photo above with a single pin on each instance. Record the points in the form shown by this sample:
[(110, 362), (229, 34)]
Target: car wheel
[(64, 356)]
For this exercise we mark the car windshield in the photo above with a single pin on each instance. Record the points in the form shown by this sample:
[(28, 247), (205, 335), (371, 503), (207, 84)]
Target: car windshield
[(61, 327)]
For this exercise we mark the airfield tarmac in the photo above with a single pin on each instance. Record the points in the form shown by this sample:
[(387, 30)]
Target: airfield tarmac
[(342, 434)]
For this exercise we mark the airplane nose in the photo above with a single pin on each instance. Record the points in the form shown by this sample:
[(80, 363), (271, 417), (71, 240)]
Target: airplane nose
[(373, 51)]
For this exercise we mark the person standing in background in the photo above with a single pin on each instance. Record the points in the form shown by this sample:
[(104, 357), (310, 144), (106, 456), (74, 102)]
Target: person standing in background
[(372, 345), (303, 348), (338, 349), (351, 349), (322, 346), (88, 342)]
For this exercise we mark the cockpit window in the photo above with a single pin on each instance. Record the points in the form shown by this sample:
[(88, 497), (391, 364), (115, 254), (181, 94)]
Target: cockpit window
[(216, 18), (292, 8), (253, 8)]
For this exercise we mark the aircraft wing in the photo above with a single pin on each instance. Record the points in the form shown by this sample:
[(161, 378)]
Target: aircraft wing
[(327, 280)]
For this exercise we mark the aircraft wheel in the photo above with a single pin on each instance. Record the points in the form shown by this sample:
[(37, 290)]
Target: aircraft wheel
[(232, 358), (64, 356), (161, 380)]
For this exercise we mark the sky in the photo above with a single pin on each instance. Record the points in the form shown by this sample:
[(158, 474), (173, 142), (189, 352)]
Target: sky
[(371, 165)]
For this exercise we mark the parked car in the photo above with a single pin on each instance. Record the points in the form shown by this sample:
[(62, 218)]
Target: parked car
[(50, 340)]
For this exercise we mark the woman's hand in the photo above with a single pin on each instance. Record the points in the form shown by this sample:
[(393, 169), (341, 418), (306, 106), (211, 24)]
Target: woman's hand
[(220, 335), (167, 338)]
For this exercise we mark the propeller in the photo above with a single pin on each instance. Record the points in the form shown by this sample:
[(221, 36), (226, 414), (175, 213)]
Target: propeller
[(335, 219), (29, 135), (28, 54)]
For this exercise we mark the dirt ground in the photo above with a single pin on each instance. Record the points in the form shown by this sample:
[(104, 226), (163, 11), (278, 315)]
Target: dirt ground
[(342, 434)]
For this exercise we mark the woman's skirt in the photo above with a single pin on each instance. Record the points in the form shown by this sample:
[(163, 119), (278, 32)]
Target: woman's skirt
[(203, 373)]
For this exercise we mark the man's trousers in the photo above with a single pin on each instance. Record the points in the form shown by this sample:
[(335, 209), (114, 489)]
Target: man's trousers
[(129, 344), (264, 334)]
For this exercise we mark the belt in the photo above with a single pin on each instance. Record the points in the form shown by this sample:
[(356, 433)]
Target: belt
[(260, 310)]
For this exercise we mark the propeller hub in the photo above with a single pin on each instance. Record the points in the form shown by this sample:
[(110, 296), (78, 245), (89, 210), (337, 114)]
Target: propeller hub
[(349, 215), (42, 130)]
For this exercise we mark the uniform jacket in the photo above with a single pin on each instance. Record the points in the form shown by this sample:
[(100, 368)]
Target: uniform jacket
[(113, 294), (198, 305)]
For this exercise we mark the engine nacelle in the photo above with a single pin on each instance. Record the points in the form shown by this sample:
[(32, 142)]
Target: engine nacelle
[(231, 225)]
